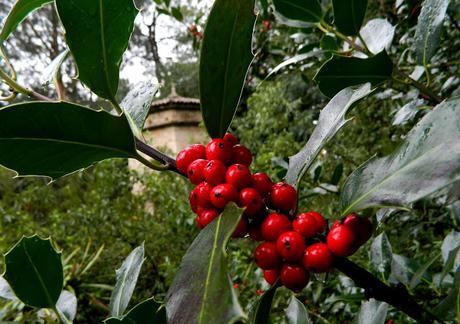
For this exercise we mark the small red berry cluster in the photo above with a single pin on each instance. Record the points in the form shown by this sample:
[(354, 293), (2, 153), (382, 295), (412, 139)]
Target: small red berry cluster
[(291, 247)]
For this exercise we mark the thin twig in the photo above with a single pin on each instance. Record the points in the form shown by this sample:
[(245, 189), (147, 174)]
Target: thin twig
[(167, 161), (16, 86)]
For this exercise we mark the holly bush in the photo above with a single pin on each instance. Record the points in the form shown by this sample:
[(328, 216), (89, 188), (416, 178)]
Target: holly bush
[(408, 189)]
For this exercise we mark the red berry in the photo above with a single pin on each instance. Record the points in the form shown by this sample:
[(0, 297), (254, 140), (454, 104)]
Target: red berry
[(341, 241), (256, 234), (294, 277), (266, 256), (207, 216), (222, 194), (218, 149), (271, 276), (306, 225), (283, 196), (195, 171), (274, 225), (290, 246), (188, 155), (259, 292), (239, 176), (232, 139), (197, 222), (336, 224), (251, 200), (322, 223), (318, 258), (241, 155), (241, 229), (361, 226), (214, 172), (262, 183), (201, 195)]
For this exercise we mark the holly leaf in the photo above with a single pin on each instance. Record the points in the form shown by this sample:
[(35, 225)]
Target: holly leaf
[(34, 272), (97, 33), (57, 138), (331, 120), (349, 15), (53, 68), (21, 9), (381, 255), (426, 162), (260, 312), (373, 312), (341, 72), (67, 305), (203, 277), (299, 10), (378, 35), (296, 312), (148, 311), (226, 55)]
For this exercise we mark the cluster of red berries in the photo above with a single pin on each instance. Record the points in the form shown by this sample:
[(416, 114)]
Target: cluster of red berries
[(291, 247)]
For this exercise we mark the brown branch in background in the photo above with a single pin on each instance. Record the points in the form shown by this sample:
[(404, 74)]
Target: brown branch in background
[(60, 89), (152, 44)]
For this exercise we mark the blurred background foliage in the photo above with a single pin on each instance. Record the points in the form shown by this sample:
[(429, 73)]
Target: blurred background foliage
[(97, 219)]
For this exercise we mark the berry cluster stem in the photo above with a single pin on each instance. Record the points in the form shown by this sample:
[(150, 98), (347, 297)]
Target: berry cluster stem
[(152, 152), (397, 297)]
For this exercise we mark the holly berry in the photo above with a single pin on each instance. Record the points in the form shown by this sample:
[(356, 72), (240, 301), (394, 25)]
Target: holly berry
[(294, 277), (241, 229), (230, 138), (306, 225), (341, 241), (322, 223), (271, 276), (206, 217), (214, 172), (241, 155), (201, 195), (251, 200), (266, 256), (195, 171), (239, 176), (318, 258), (218, 149), (188, 155), (290, 246), (361, 226), (222, 194), (262, 183), (274, 225), (283, 196)]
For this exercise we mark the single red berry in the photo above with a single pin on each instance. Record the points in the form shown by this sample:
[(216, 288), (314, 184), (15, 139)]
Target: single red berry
[(306, 225), (318, 258), (193, 200), (241, 155), (341, 241), (199, 209), (337, 223), (283, 196), (218, 149), (361, 226), (251, 200), (195, 171), (274, 225), (236, 286), (266, 256), (214, 172), (197, 222), (241, 229), (322, 223), (290, 246), (188, 155), (232, 139), (294, 277), (207, 216), (262, 183), (222, 194), (201, 195), (260, 292), (256, 234), (239, 176), (271, 276)]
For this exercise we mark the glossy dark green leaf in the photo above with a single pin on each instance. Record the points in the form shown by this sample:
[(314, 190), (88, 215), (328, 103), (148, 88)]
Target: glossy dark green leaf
[(402, 269), (349, 15), (226, 55), (331, 120), (34, 272), (381, 256), (67, 305), (127, 276), (429, 27), (21, 9), (407, 112), (341, 72), (293, 60), (447, 309), (450, 251), (378, 35), (260, 311), (299, 10), (137, 103), (421, 272), (97, 33), (176, 13), (329, 43), (373, 312), (57, 138), (427, 161), (296, 312), (337, 175), (147, 312), (202, 291), (52, 69)]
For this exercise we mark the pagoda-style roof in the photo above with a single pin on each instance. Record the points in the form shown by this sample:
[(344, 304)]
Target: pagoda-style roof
[(175, 101)]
